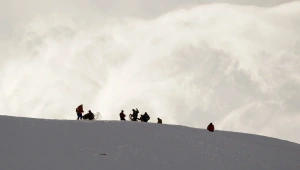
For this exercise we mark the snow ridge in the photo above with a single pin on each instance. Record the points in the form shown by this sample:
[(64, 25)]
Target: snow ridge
[(28, 144)]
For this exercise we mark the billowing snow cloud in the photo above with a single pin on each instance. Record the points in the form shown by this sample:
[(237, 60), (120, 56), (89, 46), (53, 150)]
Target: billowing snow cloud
[(237, 66)]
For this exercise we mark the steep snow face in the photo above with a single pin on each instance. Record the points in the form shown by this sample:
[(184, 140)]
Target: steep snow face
[(70, 145)]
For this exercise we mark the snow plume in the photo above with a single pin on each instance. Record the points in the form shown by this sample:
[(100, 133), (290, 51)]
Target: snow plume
[(237, 66)]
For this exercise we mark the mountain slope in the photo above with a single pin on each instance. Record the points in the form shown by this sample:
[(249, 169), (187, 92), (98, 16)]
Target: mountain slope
[(63, 144)]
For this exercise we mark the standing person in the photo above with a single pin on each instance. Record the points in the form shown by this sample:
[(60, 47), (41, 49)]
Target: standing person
[(135, 114), (159, 121), (122, 115), (211, 127), (79, 111), (131, 116)]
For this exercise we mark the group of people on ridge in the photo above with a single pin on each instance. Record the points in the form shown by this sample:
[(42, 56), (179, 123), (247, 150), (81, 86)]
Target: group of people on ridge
[(79, 110), (133, 117)]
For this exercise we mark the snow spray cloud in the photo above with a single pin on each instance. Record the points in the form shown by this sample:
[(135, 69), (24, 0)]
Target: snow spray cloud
[(236, 66)]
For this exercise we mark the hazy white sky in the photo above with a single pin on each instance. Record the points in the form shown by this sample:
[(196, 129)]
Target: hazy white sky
[(234, 63)]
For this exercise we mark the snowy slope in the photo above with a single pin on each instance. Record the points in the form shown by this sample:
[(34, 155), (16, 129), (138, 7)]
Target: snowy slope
[(32, 144)]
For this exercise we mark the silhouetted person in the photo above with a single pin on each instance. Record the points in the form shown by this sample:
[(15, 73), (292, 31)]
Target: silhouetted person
[(131, 116), (134, 115), (122, 115), (211, 127), (159, 121), (79, 111), (145, 117), (90, 115), (141, 118)]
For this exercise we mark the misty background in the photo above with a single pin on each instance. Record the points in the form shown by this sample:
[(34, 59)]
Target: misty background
[(235, 63)]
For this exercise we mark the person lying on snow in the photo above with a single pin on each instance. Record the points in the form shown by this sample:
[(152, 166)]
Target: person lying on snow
[(122, 115), (211, 127), (89, 116)]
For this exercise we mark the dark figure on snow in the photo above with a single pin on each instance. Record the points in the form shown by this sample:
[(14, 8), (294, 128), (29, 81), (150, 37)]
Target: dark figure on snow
[(90, 116), (159, 121), (211, 127), (122, 115), (145, 117), (141, 118), (134, 115), (79, 111)]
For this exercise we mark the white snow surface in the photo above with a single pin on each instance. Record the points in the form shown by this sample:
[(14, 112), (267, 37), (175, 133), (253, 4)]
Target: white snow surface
[(32, 144)]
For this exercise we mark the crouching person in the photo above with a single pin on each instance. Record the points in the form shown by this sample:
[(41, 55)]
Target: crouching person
[(90, 116), (211, 127), (145, 117), (159, 121), (122, 115)]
